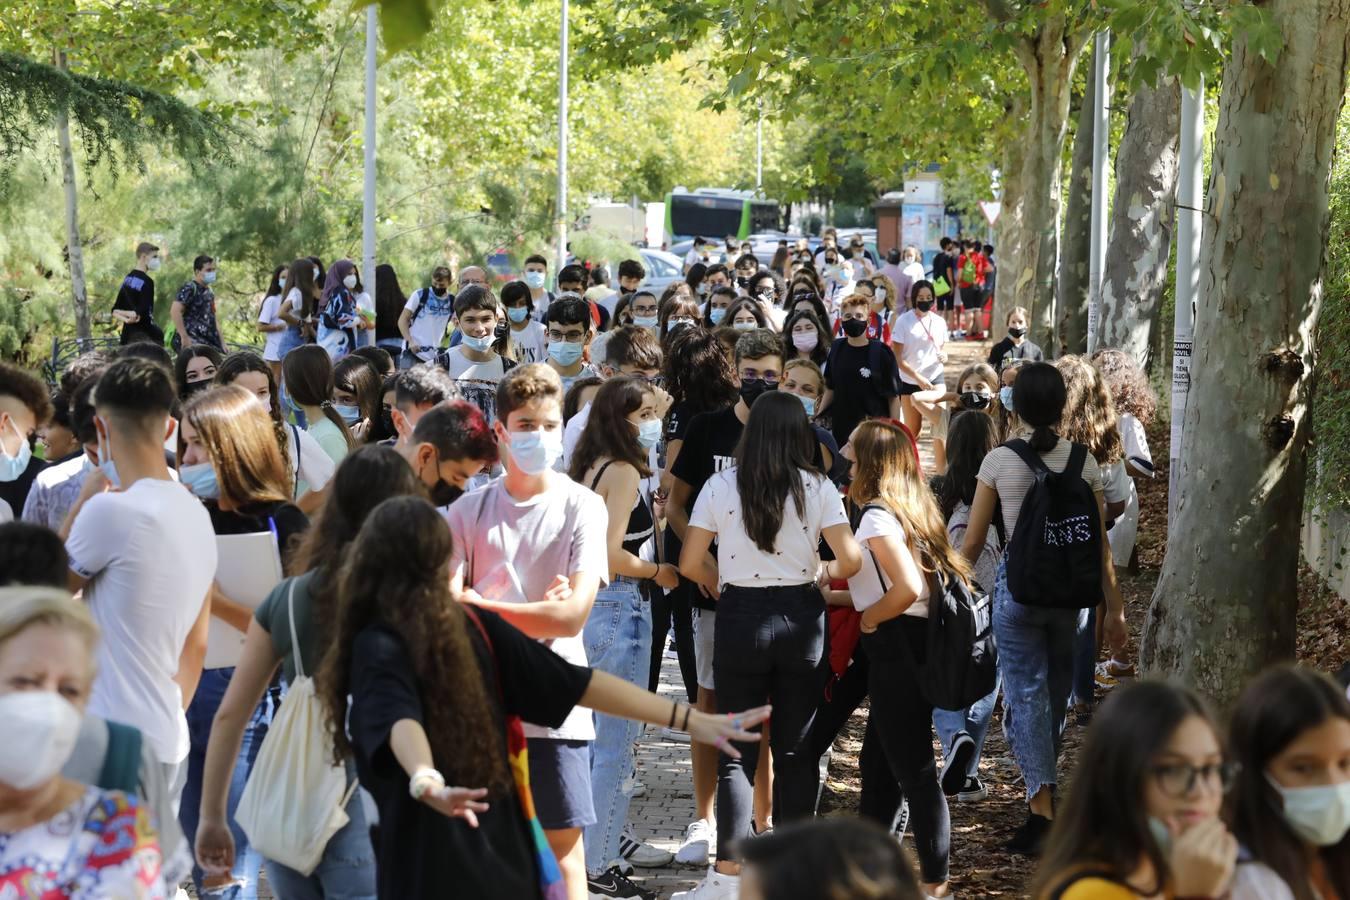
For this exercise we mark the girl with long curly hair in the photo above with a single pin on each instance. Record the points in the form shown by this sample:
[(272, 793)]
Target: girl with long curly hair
[(1090, 419), (435, 690), (365, 478), (1135, 405)]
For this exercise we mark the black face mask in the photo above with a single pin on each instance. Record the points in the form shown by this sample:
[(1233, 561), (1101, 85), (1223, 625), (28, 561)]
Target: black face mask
[(751, 388), (924, 305), (743, 281), (975, 400), (1017, 332), (386, 425), (193, 388), (443, 493), (855, 327)]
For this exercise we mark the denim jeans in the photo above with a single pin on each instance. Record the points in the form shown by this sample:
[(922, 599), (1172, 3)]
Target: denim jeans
[(618, 637), (903, 719), (1035, 657), (973, 720), (771, 646), (200, 714), (1085, 661), (347, 869)]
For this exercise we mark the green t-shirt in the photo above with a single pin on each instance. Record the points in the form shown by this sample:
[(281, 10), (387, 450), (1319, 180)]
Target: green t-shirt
[(330, 439), (272, 615)]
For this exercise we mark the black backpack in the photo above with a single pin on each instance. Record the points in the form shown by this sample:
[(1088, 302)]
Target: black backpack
[(961, 658), (1055, 555)]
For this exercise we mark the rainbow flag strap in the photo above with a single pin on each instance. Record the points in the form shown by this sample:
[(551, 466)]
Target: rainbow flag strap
[(551, 886)]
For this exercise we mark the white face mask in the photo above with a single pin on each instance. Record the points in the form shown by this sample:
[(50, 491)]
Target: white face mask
[(41, 730), (153, 265), (1319, 814), (350, 282)]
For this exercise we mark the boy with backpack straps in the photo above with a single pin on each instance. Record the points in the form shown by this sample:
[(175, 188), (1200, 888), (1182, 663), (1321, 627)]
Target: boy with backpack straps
[(1055, 568)]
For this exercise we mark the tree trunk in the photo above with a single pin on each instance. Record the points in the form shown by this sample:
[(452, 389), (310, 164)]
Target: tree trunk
[(1049, 57), (1008, 230), (1225, 604), (74, 251), (1141, 221), (1071, 291)]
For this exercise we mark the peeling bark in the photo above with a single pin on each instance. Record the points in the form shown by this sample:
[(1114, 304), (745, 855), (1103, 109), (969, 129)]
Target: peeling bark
[(74, 250), (1224, 606), (1142, 218), (1071, 291)]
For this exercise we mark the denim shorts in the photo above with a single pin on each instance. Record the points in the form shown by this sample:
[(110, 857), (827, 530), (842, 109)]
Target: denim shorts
[(560, 781)]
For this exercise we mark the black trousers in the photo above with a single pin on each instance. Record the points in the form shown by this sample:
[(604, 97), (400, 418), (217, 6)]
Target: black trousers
[(904, 723), (771, 646)]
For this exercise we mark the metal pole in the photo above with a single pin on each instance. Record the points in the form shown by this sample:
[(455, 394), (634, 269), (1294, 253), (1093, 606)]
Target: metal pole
[(1101, 143), (1190, 199), (368, 204), (562, 141)]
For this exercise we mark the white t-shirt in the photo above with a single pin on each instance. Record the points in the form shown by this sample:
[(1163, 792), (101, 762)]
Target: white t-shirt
[(268, 315), (529, 343), (1257, 881), (1126, 530), (922, 340), (609, 301), (461, 366), (796, 555), (880, 523), (149, 553), (428, 326), (511, 551), (314, 468), (541, 303)]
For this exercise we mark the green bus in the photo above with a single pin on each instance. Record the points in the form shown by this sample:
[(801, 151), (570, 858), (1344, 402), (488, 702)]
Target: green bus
[(714, 213)]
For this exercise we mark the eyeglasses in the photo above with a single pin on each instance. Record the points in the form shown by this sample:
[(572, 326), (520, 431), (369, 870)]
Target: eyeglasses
[(1178, 779), (571, 337)]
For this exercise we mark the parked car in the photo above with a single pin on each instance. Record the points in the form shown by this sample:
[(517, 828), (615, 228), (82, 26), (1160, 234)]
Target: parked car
[(662, 269)]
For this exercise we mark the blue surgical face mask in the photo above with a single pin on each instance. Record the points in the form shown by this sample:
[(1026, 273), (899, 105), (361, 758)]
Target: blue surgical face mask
[(482, 344), (105, 460), (645, 321), (350, 414), (649, 432), (809, 403), (209, 277), (565, 353), (11, 467), (717, 314), (534, 452), (535, 280), (1319, 814), (1005, 398), (1161, 834), (672, 324), (517, 314), (200, 478), (744, 326)]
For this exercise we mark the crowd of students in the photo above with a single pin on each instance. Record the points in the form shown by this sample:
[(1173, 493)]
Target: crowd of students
[(468, 547)]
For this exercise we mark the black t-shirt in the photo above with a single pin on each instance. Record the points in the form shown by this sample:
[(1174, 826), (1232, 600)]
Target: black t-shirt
[(864, 379), (252, 518), (943, 264), (137, 294), (1006, 350), (15, 492), (419, 852)]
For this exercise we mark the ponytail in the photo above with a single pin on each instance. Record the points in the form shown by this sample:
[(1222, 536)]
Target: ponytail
[(1043, 439), (332, 414)]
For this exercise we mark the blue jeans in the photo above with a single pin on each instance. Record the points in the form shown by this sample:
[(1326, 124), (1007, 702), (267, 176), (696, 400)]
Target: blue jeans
[(347, 869), (973, 720), (1085, 660), (200, 714), (1035, 657), (618, 637)]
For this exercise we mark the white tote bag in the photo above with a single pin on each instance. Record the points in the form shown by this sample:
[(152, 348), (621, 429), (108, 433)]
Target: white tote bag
[(295, 799)]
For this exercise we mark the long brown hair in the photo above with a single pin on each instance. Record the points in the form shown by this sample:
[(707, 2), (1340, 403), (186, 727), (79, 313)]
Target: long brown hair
[(398, 577), (1089, 415), (241, 361), (608, 432), (301, 278), (308, 373), (237, 434), (1278, 706), (887, 472)]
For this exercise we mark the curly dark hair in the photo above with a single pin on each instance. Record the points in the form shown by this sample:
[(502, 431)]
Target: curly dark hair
[(1126, 383), (27, 389), (698, 371), (398, 577)]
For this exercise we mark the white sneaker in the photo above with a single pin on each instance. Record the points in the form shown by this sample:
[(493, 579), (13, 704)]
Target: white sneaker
[(641, 854), (715, 887), (678, 737), (639, 790), (697, 844)]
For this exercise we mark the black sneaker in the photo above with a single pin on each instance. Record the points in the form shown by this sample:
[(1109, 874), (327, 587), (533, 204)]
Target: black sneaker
[(973, 791), (613, 884), (1028, 838), (958, 761)]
